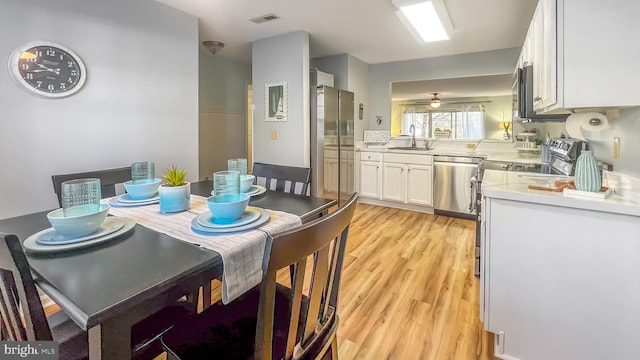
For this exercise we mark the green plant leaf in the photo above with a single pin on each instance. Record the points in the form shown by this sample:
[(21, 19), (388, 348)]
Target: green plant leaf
[(174, 176)]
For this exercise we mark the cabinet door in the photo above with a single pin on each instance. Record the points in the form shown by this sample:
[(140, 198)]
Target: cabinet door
[(419, 184), (545, 62), (393, 179), (370, 179)]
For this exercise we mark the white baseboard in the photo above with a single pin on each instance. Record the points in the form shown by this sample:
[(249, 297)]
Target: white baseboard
[(396, 205)]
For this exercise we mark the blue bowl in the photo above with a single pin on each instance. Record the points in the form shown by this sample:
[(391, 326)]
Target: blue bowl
[(227, 207), (78, 225), (142, 189)]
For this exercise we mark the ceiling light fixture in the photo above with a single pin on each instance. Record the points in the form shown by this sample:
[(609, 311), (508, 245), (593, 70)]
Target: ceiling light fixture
[(435, 102), (213, 46), (427, 21)]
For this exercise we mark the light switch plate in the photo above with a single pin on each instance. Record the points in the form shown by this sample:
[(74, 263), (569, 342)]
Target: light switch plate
[(274, 134)]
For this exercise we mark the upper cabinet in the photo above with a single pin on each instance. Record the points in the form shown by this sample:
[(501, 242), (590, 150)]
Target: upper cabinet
[(584, 54)]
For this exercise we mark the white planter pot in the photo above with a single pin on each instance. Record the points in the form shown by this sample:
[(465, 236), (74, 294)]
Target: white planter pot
[(174, 198)]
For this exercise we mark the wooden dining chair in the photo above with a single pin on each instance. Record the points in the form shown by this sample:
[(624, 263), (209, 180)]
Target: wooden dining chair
[(108, 180), (291, 179), (273, 321), (23, 317)]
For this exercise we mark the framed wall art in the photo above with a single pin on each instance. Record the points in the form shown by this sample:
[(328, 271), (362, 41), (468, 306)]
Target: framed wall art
[(275, 101)]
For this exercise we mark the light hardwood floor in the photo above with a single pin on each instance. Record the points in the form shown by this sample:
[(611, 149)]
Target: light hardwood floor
[(408, 290)]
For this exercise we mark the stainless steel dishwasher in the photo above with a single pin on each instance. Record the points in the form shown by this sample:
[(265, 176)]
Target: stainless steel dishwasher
[(453, 193)]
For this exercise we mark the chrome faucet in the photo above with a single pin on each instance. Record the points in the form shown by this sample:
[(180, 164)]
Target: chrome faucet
[(412, 129)]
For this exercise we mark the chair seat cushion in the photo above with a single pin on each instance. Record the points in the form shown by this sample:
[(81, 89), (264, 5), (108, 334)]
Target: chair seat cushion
[(228, 331)]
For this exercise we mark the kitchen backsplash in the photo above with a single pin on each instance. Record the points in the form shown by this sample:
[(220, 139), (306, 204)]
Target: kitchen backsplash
[(376, 136)]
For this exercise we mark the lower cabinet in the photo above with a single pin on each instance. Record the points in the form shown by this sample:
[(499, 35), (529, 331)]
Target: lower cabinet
[(407, 178), (370, 179), (419, 184), (568, 291), (393, 181)]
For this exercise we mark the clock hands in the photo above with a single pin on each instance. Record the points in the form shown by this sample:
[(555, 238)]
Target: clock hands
[(44, 68)]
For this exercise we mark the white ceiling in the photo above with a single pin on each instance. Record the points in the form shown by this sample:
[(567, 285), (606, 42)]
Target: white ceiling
[(367, 29)]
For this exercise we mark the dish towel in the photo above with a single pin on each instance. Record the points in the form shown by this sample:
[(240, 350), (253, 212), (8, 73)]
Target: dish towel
[(242, 253)]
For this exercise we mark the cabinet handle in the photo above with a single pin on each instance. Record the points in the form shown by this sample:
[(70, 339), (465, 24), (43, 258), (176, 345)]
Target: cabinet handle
[(537, 98)]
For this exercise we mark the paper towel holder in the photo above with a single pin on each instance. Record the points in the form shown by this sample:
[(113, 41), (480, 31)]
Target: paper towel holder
[(594, 121)]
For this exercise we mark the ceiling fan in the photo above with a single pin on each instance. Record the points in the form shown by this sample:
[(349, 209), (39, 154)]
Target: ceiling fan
[(436, 102)]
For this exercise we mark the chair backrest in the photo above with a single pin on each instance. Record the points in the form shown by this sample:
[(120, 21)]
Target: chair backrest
[(108, 179), (316, 316), (17, 290), (298, 178)]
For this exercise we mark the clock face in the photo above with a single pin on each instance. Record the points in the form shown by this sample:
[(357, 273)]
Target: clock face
[(47, 69)]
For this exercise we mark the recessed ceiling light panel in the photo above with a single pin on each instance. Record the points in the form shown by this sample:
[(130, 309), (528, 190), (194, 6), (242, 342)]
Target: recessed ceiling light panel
[(427, 21)]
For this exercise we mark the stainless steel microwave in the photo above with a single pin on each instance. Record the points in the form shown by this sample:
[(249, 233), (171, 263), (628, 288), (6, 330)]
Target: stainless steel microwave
[(523, 98)]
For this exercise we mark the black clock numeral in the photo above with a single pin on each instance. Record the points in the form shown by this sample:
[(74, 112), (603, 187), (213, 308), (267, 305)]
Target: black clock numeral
[(63, 86), (51, 52), (70, 64), (51, 87), (25, 66)]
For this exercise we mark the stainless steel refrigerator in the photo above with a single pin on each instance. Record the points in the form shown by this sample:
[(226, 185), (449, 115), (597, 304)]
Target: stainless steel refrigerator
[(332, 151)]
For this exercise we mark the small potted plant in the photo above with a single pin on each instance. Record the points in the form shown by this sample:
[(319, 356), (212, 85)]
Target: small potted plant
[(175, 192)]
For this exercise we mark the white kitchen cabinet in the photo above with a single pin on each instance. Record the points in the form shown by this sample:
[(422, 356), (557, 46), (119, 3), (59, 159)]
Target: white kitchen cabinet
[(370, 175), (419, 184), (583, 54), (407, 178), (568, 292), (393, 181), (543, 56)]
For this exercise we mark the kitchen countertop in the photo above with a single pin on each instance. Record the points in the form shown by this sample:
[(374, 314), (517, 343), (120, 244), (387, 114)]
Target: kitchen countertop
[(490, 155), (509, 185)]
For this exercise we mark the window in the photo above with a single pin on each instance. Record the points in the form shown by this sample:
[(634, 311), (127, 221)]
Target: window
[(463, 123)]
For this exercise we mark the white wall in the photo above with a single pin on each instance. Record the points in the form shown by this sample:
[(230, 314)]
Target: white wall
[(475, 64), (223, 117), (282, 58), (140, 100)]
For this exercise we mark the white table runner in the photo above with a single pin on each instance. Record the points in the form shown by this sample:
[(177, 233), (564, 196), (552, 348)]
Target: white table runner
[(242, 253)]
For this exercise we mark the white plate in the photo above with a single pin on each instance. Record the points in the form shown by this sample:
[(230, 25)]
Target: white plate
[(126, 198), (254, 191), (203, 230), (115, 202), (51, 237), (250, 215), (30, 244)]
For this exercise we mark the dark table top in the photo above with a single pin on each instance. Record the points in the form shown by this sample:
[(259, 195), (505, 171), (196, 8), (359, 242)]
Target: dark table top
[(95, 283)]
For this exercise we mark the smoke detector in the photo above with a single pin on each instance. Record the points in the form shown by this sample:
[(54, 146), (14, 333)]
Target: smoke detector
[(265, 18)]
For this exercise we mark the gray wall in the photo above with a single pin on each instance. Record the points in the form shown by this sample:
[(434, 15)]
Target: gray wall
[(140, 100), (359, 84), (475, 64), (352, 74), (337, 65), (627, 128), (282, 58), (223, 111)]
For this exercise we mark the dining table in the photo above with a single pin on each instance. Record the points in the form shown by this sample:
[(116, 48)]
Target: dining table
[(106, 289)]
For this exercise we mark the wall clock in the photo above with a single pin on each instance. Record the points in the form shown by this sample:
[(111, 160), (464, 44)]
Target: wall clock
[(47, 69)]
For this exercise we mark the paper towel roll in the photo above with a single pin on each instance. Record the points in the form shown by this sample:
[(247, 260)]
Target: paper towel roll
[(578, 124)]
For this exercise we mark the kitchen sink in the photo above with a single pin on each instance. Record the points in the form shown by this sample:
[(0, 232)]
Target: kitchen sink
[(409, 148)]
